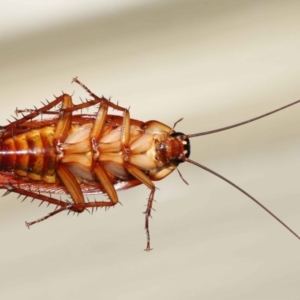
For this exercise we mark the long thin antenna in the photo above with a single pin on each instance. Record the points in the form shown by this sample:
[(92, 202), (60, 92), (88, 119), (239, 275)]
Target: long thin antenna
[(244, 192), (241, 123)]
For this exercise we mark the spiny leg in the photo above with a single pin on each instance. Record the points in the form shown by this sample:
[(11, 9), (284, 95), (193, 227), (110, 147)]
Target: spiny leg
[(56, 211), (35, 195), (147, 216), (34, 113), (27, 193), (97, 100)]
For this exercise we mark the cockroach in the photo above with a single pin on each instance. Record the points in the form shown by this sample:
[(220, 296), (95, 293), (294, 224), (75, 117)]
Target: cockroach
[(79, 154)]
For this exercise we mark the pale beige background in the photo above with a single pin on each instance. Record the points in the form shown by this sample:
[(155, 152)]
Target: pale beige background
[(212, 62)]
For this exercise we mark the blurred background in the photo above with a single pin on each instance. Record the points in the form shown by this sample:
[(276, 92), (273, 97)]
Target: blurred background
[(214, 63)]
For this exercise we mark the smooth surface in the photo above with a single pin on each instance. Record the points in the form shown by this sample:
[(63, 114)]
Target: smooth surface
[(214, 63)]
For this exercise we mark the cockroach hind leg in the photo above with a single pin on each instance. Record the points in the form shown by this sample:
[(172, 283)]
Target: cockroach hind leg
[(56, 211)]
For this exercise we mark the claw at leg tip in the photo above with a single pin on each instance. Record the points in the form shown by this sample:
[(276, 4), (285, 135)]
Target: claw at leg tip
[(74, 79)]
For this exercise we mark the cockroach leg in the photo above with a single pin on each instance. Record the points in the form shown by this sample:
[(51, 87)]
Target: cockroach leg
[(147, 216), (28, 193), (64, 122), (104, 179), (28, 224), (63, 205), (71, 185), (28, 110), (35, 113), (97, 100), (66, 176)]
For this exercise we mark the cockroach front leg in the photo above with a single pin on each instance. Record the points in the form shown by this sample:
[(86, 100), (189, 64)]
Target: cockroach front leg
[(147, 216)]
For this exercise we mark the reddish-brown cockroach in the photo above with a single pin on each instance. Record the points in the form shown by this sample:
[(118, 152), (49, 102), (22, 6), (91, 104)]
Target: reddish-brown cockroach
[(77, 154)]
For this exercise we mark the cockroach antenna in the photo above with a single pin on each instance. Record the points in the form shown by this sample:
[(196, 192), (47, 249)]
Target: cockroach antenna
[(186, 137), (241, 123), (244, 192)]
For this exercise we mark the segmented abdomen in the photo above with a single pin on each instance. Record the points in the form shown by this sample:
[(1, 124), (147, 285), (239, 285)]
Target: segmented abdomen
[(30, 154)]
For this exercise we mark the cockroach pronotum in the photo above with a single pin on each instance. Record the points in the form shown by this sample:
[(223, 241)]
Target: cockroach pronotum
[(79, 154)]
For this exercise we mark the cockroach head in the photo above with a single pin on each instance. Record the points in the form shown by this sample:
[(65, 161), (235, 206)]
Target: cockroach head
[(184, 152)]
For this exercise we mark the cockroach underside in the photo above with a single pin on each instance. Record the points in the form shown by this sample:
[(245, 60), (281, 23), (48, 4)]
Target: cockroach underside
[(77, 154)]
